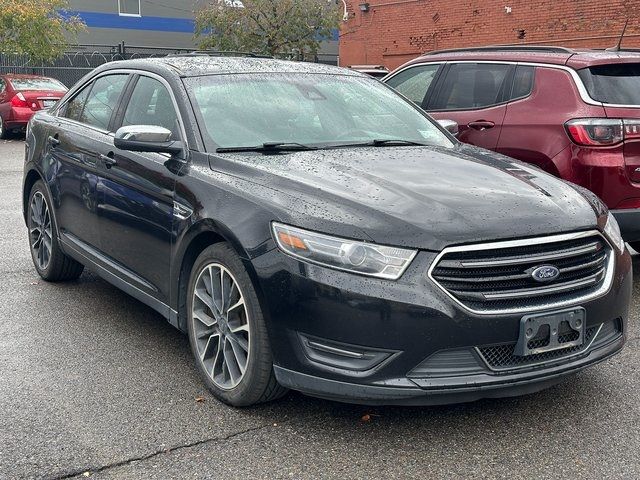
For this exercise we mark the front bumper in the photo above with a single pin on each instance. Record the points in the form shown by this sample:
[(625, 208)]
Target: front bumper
[(452, 390), (629, 221), (405, 323)]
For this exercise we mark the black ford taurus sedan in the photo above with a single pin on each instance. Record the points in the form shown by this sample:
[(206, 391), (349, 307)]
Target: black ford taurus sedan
[(311, 229)]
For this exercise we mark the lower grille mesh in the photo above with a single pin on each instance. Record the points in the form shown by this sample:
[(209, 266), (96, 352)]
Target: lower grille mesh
[(501, 357)]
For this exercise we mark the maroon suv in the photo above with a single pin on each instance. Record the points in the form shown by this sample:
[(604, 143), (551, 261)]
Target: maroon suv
[(574, 113)]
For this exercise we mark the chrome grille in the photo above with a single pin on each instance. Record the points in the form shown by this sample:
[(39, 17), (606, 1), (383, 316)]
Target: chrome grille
[(497, 277)]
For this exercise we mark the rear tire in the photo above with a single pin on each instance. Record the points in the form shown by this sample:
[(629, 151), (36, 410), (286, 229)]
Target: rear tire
[(635, 246), (50, 261), (3, 130), (227, 331)]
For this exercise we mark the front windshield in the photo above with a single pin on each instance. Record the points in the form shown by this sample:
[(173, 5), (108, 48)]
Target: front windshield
[(316, 110)]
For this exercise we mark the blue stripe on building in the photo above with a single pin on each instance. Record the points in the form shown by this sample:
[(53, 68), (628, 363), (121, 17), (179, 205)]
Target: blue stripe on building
[(159, 24), (113, 20)]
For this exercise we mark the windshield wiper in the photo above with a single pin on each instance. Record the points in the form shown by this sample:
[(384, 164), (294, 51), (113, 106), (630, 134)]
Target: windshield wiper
[(387, 142), (394, 141), (269, 147)]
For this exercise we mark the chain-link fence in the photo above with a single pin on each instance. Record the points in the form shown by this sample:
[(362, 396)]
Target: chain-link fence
[(72, 66)]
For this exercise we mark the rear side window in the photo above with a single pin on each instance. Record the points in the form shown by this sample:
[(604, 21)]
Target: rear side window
[(414, 82), (616, 83), (103, 100), (522, 82), (468, 86), (73, 109)]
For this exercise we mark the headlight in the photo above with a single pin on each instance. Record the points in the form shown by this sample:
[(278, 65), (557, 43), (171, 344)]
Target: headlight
[(612, 231), (352, 256)]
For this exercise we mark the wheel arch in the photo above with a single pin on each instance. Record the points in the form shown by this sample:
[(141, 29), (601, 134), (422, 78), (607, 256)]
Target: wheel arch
[(30, 178), (195, 240)]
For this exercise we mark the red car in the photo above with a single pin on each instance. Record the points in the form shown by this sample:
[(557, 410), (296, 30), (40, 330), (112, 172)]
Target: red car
[(23, 95), (573, 113)]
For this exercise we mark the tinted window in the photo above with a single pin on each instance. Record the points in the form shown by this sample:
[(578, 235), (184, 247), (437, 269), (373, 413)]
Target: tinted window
[(319, 110), (103, 100), (469, 86), (618, 83), (522, 82), (22, 84), (414, 82), (151, 104), (73, 109)]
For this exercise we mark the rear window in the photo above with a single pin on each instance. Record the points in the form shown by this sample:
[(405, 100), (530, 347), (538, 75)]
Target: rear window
[(617, 83), (22, 84)]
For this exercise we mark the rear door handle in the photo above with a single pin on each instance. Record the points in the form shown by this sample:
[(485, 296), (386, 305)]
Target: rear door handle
[(108, 160), (53, 140), (481, 125)]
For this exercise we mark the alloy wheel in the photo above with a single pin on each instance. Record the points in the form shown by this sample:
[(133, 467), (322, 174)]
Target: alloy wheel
[(40, 230), (221, 326)]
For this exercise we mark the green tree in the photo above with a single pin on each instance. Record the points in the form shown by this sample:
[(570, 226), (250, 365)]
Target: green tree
[(40, 28), (272, 27)]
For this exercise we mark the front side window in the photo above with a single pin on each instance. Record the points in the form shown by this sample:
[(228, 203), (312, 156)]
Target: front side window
[(469, 86), (616, 83), (129, 7), (103, 100), (312, 109), (151, 104), (414, 82)]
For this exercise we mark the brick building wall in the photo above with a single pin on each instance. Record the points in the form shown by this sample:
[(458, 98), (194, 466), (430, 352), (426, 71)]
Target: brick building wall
[(392, 32)]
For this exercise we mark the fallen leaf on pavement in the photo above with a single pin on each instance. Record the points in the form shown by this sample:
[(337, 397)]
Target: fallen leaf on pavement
[(200, 399)]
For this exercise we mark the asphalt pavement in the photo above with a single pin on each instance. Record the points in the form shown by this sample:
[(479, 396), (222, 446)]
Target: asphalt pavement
[(95, 384)]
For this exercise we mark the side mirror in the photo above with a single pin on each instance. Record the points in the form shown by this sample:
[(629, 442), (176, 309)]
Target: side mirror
[(450, 126), (147, 138)]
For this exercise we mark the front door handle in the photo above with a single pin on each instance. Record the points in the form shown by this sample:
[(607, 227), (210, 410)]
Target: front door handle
[(53, 140), (481, 125), (108, 160)]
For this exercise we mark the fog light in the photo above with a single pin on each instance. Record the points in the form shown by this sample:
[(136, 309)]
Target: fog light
[(342, 355)]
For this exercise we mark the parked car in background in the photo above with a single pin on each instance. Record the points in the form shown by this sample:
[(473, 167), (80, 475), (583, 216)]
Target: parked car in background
[(573, 113), (309, 228), (23, 95), (375, 71)]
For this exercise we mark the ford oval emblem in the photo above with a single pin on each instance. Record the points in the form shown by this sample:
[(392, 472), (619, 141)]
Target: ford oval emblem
[(545, 273)]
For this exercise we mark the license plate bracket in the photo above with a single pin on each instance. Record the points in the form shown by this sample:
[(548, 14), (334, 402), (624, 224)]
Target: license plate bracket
[(551, 331)]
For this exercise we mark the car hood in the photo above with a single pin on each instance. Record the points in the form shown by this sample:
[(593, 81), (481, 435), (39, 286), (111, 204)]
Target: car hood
[(422, 197)]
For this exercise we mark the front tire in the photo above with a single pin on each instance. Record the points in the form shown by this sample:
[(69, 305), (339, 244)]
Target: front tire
[(50, 261), (227, 331)]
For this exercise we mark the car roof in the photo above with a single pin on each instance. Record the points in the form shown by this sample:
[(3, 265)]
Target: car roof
[(575, 58), (198, 65)]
